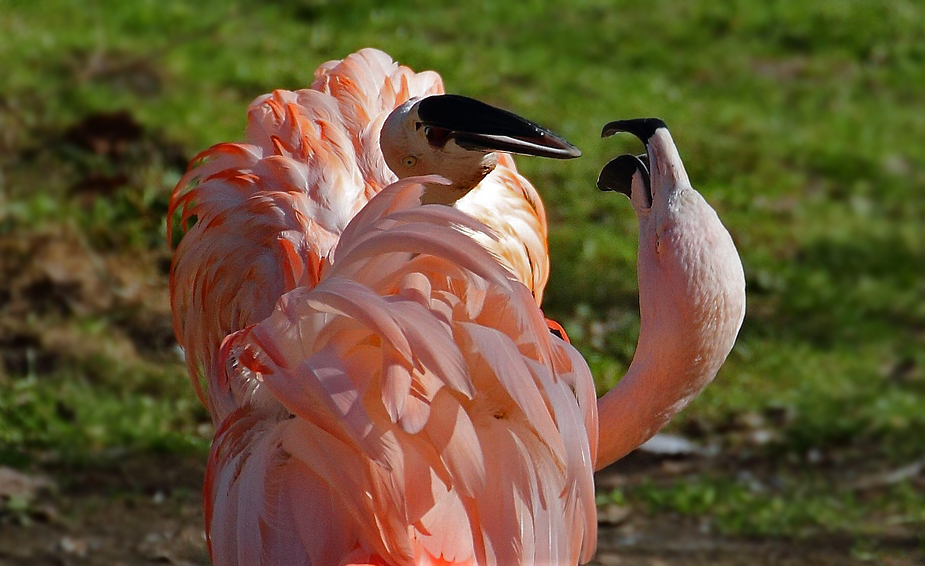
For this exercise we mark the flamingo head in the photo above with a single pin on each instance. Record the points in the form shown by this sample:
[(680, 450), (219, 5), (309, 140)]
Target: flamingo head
[(691, 290), (629, 174), (457, 137)]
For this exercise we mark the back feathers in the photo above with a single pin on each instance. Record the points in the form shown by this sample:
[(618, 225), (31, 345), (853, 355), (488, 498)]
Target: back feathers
[(269, 211), (411, 405)]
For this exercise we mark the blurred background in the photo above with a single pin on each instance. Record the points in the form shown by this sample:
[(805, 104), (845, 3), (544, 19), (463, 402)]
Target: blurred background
[(801, 122)]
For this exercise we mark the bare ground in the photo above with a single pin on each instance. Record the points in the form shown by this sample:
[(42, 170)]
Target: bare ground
[(145, 510)]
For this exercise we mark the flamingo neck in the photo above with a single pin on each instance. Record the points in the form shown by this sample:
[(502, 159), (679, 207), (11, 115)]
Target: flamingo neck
[(648, 396), (692, 303), (445, 194), (464, 175)]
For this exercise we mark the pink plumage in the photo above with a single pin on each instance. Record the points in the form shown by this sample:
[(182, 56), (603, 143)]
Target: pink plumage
[(411, 406), (384, 386), (384, 389), (269, 211)]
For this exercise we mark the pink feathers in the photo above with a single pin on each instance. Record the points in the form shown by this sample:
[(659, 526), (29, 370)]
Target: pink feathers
[(384, 386), (269, 211), (384, 390), (417, 392)]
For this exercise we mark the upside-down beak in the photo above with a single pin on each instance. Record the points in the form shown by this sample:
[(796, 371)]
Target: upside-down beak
[(618, 174), (477, 126)]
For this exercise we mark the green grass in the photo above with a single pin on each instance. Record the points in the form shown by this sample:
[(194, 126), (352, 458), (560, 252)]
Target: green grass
[(800, 507), (801, 122), (70, 419)]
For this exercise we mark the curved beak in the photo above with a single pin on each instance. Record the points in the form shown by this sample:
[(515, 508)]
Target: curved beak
[(618, 174), (642, 128), (477, 126)]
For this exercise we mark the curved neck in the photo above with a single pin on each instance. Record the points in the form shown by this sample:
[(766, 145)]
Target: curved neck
[(464, 175), (447, 194), (648, 396), (692, 302)]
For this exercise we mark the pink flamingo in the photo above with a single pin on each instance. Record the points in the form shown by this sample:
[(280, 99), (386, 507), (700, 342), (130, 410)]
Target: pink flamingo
[(383, 382)]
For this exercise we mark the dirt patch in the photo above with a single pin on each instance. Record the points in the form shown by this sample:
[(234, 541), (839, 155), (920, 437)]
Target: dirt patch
[(664, 541), (635, 537), (70, 289), (137, 510), (140, 509), (52, 280)]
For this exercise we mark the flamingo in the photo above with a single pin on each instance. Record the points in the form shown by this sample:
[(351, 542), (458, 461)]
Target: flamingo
[(384, 385), (691, 291), (268, 212)]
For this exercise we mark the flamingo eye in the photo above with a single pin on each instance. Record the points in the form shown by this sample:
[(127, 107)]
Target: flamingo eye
[(409, 161)]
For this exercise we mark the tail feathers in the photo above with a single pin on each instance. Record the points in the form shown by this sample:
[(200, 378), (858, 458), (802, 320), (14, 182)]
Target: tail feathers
[(266, 506)]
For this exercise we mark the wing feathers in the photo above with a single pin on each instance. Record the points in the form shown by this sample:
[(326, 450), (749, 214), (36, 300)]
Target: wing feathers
[(385, 387)]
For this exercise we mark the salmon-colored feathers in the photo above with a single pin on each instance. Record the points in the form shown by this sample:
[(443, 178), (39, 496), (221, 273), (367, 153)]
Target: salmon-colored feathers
[(384, 387)]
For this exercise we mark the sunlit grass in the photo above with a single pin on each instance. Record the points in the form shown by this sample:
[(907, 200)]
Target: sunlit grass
[(801, 122), (82, 415), (799, 506)]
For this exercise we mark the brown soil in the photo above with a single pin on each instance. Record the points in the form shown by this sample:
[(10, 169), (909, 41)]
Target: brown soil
[(135, 511), (143, 510)]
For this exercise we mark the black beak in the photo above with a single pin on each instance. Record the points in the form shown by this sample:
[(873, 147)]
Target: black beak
[(642, 128), (477, 126), (618, 174)]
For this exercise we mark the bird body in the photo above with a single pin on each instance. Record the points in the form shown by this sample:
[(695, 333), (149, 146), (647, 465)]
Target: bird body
[(269, 211), (412, 406)]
